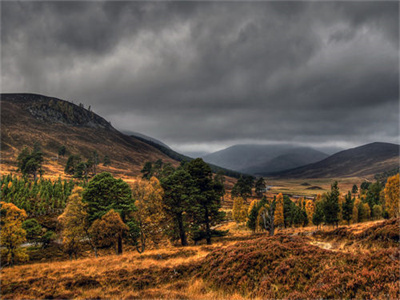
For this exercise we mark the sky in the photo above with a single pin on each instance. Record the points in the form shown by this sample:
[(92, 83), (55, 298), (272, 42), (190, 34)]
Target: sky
[(202, 76)]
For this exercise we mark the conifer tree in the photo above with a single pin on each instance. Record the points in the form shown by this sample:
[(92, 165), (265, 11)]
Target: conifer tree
[(354, 190), (72, 163), (288, 211), (106, 160), (62, 150), (207, 199), (94, 161), (220, 180), (318, 216), (33, 230), (347, 208), (30, 162), (104, 193), (177, 201), (331, 205), (253, 214), (260, 187), (242, 187), (147, 170)]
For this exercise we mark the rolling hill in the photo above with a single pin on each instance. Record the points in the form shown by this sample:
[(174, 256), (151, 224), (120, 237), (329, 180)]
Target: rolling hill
[(26, 118), (365, 160), (264, 159)]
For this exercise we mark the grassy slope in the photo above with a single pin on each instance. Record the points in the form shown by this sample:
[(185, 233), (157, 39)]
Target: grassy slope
[(365, 160), (256, 266), (19, 128), (304, 186)]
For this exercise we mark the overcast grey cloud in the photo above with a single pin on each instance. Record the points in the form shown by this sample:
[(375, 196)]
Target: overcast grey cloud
[(204, 75)]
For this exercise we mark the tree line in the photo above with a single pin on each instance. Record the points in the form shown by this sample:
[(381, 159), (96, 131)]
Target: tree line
[(371, 202), (182, 204)]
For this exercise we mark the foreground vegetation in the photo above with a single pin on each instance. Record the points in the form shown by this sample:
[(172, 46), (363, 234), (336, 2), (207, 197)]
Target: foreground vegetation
[(283, 266)]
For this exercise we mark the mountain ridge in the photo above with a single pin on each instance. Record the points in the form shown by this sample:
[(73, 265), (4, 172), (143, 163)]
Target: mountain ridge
[(368, 159), (255, 159)]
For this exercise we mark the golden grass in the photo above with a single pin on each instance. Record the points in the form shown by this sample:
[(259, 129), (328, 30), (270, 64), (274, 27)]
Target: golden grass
[(295, 187), (157, 273), (90, 277)]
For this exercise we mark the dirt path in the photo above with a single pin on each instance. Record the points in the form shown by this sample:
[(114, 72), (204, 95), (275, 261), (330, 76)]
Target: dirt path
[(323, 245)]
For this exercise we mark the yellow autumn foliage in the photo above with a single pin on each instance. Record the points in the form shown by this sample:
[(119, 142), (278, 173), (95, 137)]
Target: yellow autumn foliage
[(392, 196), (279, 219), (12, 235)]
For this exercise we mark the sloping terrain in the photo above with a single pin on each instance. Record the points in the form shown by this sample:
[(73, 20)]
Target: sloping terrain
[(361, 161), (26, 118), (384, 234), (254, 159), (279, 267)]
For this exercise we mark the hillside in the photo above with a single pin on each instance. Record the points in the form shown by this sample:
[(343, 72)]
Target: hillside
[(360, 161), (304, 265), (142, 136), (257, 159), (26, 118)]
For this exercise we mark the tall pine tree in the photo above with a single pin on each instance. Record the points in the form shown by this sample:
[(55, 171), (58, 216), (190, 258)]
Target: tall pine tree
[(331, 207), (207, 202), (347, 208)]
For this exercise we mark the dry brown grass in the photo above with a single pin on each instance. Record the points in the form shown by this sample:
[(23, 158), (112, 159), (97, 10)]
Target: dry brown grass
[(153, 274), (295, 187), (169, 272)]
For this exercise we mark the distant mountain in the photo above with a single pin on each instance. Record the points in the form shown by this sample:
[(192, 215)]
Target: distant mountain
[(293, 159), (257, 159), (360, 161)]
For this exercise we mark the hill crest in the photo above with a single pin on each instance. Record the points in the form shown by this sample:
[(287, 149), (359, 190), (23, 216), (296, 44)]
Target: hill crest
[(54, 110), (364, 160)]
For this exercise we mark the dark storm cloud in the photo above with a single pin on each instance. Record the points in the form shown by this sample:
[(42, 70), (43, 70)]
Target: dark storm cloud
[(204, 74)]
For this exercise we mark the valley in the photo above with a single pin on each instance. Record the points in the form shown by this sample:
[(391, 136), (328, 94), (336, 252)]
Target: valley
[(274, 236), (199, 150)]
